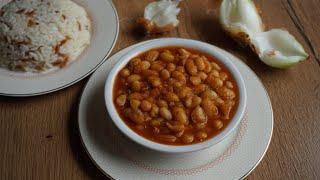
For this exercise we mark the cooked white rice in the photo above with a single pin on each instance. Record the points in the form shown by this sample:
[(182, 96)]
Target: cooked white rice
[(39, 35)]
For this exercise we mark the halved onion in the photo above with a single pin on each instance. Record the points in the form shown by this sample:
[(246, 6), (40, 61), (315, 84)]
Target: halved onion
[(276, 48), (160, 16), (240, 19)]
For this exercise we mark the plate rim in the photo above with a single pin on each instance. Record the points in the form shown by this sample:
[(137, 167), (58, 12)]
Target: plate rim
[(228, 54), (103, 60)]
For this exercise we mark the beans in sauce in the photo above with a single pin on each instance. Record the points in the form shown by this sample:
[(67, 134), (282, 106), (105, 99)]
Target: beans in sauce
[(175, 95)]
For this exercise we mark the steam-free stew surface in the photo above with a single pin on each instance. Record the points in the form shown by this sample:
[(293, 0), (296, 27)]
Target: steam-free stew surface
[(175, 95)]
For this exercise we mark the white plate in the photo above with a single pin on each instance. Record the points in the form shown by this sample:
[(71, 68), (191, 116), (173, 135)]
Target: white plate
[(105, 28), (120, 158)]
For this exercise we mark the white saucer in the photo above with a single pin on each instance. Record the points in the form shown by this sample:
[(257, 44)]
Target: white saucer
[(120, 158), (105, 28)]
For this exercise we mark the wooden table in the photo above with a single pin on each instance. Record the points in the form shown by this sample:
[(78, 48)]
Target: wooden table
[(39, 137)]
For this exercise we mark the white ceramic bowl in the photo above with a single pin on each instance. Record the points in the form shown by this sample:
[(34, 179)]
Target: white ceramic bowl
[(192, 44)]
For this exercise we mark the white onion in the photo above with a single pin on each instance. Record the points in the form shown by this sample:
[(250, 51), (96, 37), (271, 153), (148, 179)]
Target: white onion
[(276, 48)]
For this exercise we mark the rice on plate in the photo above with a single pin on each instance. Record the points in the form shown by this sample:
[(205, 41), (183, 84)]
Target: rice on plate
[(42, 35)]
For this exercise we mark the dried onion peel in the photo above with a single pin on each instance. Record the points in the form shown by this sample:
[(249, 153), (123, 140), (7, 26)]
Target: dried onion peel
[(276, 48), (160, 16)]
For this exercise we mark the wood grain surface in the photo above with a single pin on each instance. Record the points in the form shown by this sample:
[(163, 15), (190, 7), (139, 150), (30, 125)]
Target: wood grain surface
[(39, 137)]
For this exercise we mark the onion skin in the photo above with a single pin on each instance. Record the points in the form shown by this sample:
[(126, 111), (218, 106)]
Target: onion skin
[(152, 28)]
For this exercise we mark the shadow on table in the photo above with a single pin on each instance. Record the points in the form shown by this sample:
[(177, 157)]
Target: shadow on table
[(78, 150)]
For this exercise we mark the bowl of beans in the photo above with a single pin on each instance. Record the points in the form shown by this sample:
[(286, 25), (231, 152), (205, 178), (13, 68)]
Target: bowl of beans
[(175, 95)]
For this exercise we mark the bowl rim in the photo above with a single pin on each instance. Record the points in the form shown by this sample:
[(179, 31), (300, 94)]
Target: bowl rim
[(179, 42)]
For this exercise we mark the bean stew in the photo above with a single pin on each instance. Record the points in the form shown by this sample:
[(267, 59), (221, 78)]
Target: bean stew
[(175, 95)]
